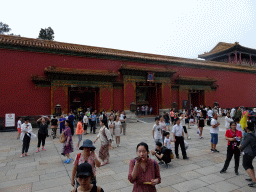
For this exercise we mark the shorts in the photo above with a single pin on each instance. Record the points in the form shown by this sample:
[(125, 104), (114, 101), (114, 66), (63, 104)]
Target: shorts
[(214, 138), (19, 130), (79, 138), (247, 161), (85, 126), (185, 129), (172, 119), (167, 124)]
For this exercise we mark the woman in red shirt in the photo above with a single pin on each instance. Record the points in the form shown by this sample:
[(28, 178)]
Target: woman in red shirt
[(144, 172), (233, 136)]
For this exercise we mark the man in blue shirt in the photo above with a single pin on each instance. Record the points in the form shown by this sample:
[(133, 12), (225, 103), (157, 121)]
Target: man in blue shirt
[(71, 118), (62, 123), (93, 119)]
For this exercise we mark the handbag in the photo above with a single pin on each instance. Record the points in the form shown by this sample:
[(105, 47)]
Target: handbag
[(62, 137)]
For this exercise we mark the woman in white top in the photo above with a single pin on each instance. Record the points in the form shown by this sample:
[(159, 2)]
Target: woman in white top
[(26, 135), (163, 125), (117, 130), (111, 126), (105, 138), (228, 120)]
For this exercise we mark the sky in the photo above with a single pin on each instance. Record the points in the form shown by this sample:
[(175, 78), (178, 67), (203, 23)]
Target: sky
[(184, 28)]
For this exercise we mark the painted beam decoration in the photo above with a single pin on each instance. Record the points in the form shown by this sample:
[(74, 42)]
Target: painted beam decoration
[(150, 76)]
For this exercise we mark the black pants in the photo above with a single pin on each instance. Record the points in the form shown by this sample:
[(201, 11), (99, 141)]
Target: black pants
[(41, 139), (230, 152), (26, 142), (71, 128), (180, 141), (85, 126), (93, 126), (165, 159)]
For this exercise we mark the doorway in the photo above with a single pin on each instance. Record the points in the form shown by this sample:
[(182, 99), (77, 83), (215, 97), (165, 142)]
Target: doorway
[(146, 94), (83, 97), (196, 98)]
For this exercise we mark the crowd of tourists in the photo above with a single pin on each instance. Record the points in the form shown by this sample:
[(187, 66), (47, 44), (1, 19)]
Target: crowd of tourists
[(144, 172)]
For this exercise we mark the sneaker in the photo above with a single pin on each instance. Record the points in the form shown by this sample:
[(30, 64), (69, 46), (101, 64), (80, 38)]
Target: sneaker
[(65, 161), (38, 150), (26, 154), (253, 184), (68, 161), (212, 150), (236, 172), (216, 151), (21, 155), (200, 137), (185, 158), (167, 166), (223, 171), (248, 179), (43, 149)]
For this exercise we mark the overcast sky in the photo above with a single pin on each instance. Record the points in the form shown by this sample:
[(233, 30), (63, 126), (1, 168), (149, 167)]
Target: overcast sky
[(183, 28)]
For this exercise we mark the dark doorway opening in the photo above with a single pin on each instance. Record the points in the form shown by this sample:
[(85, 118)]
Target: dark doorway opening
[(196, 98), (83, 97), (146, 94)]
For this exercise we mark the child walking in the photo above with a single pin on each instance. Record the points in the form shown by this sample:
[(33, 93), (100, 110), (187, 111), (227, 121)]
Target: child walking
[(168, 140), (79, 131)]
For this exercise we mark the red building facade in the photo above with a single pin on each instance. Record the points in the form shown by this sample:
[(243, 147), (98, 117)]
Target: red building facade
[(37, 75)]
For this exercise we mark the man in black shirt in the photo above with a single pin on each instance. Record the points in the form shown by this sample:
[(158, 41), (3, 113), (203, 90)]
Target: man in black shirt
[(163, 154)]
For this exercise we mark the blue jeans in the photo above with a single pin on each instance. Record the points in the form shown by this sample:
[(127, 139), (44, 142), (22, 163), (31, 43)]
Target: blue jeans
[(214, 138)]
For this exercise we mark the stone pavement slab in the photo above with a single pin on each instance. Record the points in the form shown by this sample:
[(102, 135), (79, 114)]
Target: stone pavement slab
[(45, 171)]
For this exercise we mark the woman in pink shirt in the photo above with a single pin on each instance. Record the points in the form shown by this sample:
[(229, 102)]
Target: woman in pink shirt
[(144, 172)]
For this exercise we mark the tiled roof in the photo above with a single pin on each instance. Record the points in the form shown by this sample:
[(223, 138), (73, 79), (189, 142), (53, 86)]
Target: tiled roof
[(221, 46), (53, 69), (142, 68), (54, 45)]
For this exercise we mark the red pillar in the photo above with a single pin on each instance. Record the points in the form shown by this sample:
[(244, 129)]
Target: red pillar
[(250, 60), (235, 57), (240, 58), (229, 60)]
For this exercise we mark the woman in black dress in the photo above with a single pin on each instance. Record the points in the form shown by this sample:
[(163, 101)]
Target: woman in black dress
[(200, 124)]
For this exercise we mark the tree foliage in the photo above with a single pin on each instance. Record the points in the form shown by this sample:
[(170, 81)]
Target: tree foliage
[(46, 34), (4, 28)]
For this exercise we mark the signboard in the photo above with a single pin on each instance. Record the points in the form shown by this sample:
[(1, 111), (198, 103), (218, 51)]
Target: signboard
[(150, 76), (10, 120)]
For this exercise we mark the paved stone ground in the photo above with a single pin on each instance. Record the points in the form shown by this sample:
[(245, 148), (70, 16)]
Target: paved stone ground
[(44, 171)]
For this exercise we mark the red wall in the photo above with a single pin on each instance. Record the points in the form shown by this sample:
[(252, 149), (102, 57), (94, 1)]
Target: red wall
[(19, 96), (118, 103)]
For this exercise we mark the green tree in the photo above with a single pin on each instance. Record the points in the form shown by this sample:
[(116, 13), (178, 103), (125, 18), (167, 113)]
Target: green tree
[(47, 34), (4, 28)]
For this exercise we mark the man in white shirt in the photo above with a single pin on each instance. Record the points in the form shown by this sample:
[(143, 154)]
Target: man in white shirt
[(143, 110), (178, 137), (85, 123), (214, 130), (228, 120), (182, 123), (146, 110), (157, 131), (232, 113)]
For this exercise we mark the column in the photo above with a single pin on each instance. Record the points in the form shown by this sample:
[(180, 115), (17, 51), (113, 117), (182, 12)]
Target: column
[(235, 57), (229, 59), (240, 58), (250, 59)]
